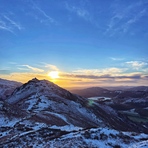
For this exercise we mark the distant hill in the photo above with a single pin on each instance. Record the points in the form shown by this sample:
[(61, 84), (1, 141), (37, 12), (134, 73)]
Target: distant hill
[(118, 87), (7, 87), (91, 92), (134, 92), (138, 88)]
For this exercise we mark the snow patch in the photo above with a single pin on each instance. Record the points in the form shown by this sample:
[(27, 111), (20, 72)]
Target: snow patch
[(67, 128)]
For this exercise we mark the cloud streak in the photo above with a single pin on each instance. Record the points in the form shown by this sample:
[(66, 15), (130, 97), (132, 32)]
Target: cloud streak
[(16, 25), (80, 11), (124, 16), (102, 77), (7, 24), (136, 64), (51, 67), (116, 59), (133, 20), (33, 68), (105, 71), (5, 27), (44, 14)]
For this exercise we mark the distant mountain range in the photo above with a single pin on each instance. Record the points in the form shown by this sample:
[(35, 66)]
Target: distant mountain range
[(134, 92), (139, 88), (91, 92), (41, 114)]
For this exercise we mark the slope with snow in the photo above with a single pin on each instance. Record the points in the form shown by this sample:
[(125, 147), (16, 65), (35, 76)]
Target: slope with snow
[(48, 102), (7, 87), (41, 114), (44, 136)]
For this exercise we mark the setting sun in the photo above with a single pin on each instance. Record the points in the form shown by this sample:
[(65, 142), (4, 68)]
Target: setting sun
[(54, 74)]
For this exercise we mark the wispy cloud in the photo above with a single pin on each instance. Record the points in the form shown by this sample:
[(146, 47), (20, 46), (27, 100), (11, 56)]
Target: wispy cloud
[(134, 76), (105, 71), (107, 76), (51, 67), (116, 59), (79, 11), (136, 64), (133, 20), (7, 24), (15, 24), (46, 17), (5, 27), (33, 68), (23, 68), (124, 16), (113, 71)]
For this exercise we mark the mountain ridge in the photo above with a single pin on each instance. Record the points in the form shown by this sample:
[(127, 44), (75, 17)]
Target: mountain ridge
[(40, 113)]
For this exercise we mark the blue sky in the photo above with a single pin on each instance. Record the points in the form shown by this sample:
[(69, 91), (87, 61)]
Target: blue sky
[(90, 42)]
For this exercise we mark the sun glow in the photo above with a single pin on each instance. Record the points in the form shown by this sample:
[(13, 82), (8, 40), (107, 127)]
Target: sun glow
[(53, 74)]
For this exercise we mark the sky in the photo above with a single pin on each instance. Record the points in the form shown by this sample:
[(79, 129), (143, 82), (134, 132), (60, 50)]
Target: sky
[(89, 42)]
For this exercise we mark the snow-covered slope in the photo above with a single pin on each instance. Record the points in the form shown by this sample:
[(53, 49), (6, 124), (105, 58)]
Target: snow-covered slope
[(44, 101), (46, 137), (42, 114), (48, 102), (7, 87)]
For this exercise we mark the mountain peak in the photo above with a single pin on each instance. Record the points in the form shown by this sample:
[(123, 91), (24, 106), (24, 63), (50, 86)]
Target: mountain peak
[(41, 82), (34, 80), (51, 103), (35, 88)]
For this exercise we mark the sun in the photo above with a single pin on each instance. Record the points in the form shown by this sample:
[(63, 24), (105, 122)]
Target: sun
[(53, 74)]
